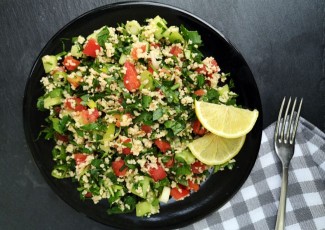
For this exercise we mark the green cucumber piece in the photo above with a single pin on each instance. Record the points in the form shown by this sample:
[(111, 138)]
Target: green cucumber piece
[(76, 51), (50, 101), (146, 80), (122, 59), (144, 186), (146, 208), (50, 62), (160, 25), (173, 35), (164, 197), (185, 156), (133, 27)]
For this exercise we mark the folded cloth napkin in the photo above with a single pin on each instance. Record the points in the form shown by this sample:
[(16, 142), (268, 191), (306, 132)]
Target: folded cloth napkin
[(255, 205)]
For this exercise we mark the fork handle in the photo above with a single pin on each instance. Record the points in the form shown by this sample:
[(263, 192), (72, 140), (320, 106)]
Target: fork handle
[(280, 221)]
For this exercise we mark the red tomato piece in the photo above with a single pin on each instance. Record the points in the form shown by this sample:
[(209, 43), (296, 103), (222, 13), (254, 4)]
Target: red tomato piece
[(70, 63), (88, 195), (198, 167), (91, 47), (74, 104), (131, 82), (146, 128), (169, 163), (179, 193), (156, 45), (127, 150), (62, 138), (89, 117), (175, 50), (134, 51), (118, 118), (197, 128), (79, 158), (157, 173), (119, 168), (75, 81), (162, 145), (193, 186), (199, 92)]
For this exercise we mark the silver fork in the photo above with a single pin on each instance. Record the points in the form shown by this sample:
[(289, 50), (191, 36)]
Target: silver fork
[(284, 143)]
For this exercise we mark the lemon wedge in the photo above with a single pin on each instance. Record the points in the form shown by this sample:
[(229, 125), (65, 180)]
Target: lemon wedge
[(215, 150), (224, 120)]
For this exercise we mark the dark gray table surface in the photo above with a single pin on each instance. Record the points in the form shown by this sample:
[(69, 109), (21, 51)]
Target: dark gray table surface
[(282, 41)]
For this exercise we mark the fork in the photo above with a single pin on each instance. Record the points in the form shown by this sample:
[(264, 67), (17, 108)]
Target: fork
[(284, 143)]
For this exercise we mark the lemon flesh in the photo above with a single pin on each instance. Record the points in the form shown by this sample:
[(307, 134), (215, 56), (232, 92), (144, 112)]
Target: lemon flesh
[(215, 150), (224, 120)]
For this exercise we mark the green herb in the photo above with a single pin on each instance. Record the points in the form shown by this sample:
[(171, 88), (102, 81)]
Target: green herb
[(103, 36)]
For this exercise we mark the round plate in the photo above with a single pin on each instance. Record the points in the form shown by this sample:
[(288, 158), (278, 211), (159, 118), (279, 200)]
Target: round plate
[(219, 188)]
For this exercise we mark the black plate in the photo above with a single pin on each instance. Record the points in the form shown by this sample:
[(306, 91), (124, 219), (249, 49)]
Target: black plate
[(219, 188)]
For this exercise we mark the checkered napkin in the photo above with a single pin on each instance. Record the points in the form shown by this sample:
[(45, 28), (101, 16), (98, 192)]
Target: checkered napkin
[(255, 205)]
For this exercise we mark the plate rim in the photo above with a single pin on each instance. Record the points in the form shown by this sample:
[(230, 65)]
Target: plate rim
[(31, 143)]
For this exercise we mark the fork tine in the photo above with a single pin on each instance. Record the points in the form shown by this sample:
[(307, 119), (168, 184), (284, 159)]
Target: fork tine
[(276, 133), (284, 121), (290, 121), (293, 136)]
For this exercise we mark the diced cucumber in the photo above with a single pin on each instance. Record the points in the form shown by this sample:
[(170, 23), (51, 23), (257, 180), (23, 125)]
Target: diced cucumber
[(160, 25), (187, 54), (185, 156), (223, 90), (122, 59), (55, 93), (60, 171), (50, 62), (173, 35), (141, 188), (76, 51), (50, 101), (60, 75), (133, 27), (146, 208), (110, 131), (95, 33), (91, 104), (146, 80), (164, 197)]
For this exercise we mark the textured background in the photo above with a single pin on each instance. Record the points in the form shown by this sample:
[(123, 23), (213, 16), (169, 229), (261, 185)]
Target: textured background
[(282, 41)]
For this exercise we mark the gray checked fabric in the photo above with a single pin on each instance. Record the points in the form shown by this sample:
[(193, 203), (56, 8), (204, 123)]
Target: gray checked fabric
[(255, 205)]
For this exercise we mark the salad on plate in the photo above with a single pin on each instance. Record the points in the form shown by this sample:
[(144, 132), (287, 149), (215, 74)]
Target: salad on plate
[(122, 112)]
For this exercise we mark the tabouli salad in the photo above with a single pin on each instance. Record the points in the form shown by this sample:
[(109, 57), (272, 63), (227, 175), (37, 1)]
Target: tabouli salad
[(121, 104)]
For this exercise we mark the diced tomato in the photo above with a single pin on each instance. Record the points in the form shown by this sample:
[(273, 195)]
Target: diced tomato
[(169, 163), (179, 193), (199, 92), (79, 158), (118, 118), (57, 110), (131, 82), (62, 138), (198, 129), (91, 47), (146, 128), (157, 173), (193, 186), (203, 70), (119, 168), (162, 145), (70, 63), (153, 44), (58, 69), (88, 195), (75, 81), (150, 69), (74, 104), (127, 150), (198, 167), (89, 117), (175, 50), (134, 51)]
